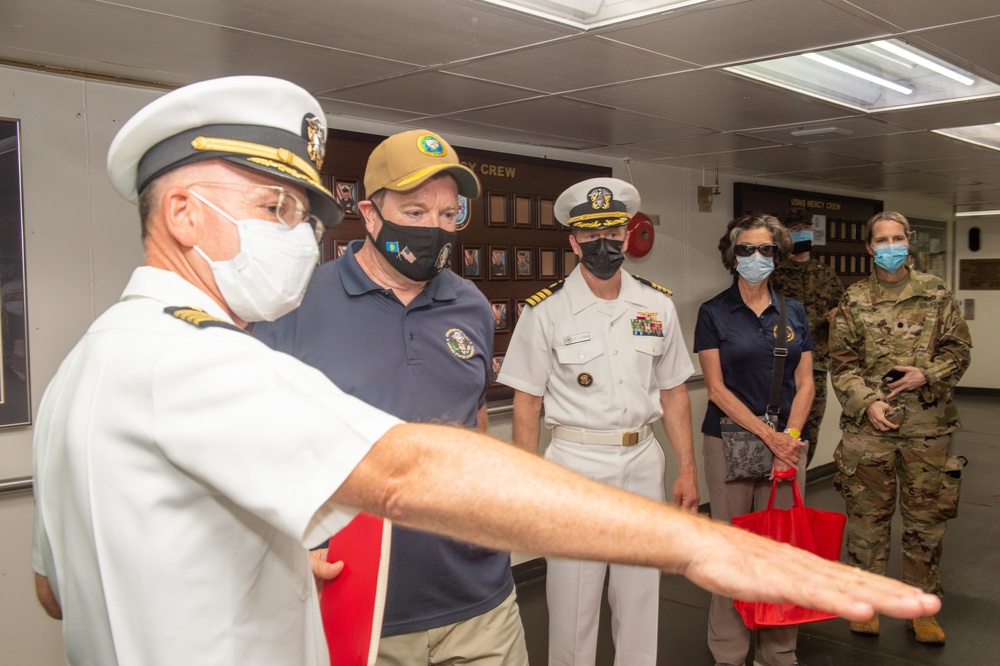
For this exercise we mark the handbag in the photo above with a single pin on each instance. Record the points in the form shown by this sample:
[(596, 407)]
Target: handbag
[(819, 532), (748, 458)]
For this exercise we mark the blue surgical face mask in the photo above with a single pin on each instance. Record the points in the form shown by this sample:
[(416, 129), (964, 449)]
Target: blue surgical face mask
[(890, 256), (755, 268), (802, 241)]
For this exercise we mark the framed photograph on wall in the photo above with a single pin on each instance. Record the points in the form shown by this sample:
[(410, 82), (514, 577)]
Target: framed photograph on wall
[(496, 209), (524, 263), (548, 263), (501, 314), (472, 262), (518, 309), (499, 262), (497, 365), (569, 262), (339, 249), (546, 216), (523, 211), (347, 193)]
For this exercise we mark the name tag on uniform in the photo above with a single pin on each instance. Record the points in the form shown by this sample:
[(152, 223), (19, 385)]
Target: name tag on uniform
[(574, 339)]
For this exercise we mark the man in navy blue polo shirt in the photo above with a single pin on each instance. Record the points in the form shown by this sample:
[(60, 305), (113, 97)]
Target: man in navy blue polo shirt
[(388, 324)]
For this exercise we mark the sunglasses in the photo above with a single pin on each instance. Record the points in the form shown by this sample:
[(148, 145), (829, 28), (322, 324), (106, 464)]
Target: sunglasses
[(747, 250)]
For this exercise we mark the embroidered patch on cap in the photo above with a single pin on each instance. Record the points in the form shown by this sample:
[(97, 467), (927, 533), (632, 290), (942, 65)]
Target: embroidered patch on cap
[(316, 138), (459, 343), (429, 144)]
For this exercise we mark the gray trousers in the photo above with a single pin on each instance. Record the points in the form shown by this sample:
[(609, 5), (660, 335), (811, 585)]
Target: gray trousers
[(728, 637)]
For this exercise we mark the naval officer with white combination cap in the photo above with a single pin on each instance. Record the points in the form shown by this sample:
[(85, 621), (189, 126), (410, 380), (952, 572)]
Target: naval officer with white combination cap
[(603, 352)]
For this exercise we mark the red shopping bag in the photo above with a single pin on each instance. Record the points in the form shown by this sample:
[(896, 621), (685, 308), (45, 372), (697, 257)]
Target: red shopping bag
[(819, 532)]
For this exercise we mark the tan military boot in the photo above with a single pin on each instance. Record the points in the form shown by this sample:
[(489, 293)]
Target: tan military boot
[(867, 627), (926, 629)]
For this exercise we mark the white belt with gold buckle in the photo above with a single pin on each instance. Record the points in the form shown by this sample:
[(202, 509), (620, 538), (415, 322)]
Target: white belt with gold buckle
[(580, 436)]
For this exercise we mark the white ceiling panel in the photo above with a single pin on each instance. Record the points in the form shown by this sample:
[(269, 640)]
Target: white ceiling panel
[(607, 62), (705, 143), (431, 93), (425, 32), (601, 125), (753, 33), (827, 130), (713, 99), (915, 14), (906, 147)]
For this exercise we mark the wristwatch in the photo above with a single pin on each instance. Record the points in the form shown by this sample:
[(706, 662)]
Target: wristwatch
[(792, 432)]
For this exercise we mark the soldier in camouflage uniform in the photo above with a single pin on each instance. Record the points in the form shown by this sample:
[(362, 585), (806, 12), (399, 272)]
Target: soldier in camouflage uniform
[(898, 433), (817, 287)]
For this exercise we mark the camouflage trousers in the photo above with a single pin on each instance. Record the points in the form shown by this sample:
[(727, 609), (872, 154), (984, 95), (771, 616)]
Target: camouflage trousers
[(816, 413), (872, 470)]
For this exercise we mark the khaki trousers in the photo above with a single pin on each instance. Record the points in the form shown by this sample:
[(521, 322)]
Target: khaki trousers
[(495, 638), (728, 637)]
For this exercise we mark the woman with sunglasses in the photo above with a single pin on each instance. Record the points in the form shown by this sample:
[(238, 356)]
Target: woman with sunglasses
[(735, 338)]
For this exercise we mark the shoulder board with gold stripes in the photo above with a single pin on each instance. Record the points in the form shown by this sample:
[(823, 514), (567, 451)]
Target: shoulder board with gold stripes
[(199, 318), (653, 285), (540, 296)]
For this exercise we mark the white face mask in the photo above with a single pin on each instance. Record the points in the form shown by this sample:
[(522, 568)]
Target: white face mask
[(269, 276)]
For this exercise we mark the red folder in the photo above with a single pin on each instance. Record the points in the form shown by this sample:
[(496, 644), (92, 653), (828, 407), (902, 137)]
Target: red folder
[(352, 603)]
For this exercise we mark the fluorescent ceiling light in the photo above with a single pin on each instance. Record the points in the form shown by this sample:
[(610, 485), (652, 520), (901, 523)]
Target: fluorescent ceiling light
[(877, 76), (847, 69), (987, 136), (977, 213), (918, 59), (590, 14)]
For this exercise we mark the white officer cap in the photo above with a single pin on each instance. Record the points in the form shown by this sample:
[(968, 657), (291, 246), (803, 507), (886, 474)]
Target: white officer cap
[(258, 122), (597, 203)]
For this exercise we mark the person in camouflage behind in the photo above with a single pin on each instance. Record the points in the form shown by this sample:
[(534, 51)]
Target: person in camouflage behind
[(898, 346), (817, 287)]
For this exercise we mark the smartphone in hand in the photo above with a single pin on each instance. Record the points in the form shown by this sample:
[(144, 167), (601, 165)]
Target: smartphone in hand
[(892, 376)]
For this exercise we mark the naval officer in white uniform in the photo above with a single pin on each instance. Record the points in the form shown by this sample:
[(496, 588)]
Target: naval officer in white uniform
[(603, 352)]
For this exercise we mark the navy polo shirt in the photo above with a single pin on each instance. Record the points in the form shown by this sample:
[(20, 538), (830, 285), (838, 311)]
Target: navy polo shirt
[(429, 361), (746, 351)]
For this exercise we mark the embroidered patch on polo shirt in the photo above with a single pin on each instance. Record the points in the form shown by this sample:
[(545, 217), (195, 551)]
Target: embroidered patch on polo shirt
[(459, 343)]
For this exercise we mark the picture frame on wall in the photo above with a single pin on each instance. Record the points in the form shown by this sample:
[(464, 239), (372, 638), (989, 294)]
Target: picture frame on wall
[(339, 249), (546, 213), (518, 309), (496, 209), (524, 263), (570, 261), (346, 192), (497, 365), (472, 262), (501, 314), (548, 263), (524, 211), (499, 259)]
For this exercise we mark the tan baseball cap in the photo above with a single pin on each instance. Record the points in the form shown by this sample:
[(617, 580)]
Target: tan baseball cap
[(405, 161)]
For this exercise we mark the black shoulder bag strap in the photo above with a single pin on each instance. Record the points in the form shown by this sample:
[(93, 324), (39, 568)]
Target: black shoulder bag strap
[(780, 352)]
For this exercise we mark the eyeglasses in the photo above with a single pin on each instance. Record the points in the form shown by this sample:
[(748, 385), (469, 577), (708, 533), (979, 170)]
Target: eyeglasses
[(280, 203), (747, 250)]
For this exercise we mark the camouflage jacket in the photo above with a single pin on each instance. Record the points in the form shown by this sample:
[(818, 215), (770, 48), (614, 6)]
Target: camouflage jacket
[(818, 289), (874, 331)]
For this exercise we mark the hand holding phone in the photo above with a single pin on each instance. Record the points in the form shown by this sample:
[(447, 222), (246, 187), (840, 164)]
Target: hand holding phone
[(892, 376)]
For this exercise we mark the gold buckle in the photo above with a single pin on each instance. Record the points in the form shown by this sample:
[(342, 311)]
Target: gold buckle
[(630, 438)]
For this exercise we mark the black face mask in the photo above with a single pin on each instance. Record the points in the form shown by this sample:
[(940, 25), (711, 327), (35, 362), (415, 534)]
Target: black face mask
[(602, 257), (418, 253), (802, 246)]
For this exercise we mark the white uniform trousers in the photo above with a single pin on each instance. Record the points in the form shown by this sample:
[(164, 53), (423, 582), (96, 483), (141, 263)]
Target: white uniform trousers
[(574, 588)]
